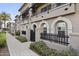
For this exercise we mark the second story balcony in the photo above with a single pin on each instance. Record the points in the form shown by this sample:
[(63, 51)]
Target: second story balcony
[(24, 13), (53, 10), (24, 20), (25, 17)]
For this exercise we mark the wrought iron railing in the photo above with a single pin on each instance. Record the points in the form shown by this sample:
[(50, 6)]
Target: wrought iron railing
[(61, 39)]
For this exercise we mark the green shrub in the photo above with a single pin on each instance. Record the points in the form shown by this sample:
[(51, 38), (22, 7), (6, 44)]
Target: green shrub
[(2, 43), (41, 48), (17, 33), (2, 39), (21, 39)]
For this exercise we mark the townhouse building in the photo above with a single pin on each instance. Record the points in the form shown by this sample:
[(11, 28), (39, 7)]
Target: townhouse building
[(11, 27), (54, 23)]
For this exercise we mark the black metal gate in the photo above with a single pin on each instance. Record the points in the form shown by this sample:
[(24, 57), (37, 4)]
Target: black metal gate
[(32, 35)]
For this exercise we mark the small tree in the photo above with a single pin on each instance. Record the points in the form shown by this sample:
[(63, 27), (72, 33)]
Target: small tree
[(4, 16)]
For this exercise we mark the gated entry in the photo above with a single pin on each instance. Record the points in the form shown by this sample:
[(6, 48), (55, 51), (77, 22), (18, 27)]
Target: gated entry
[(32, 33)]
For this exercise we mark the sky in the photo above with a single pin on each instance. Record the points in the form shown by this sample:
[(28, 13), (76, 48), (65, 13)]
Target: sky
[(11, 8)]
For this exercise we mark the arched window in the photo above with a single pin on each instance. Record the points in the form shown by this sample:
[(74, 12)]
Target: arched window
[(44, 28), (61, 28)]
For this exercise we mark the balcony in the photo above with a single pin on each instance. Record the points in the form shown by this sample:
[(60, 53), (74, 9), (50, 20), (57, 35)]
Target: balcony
[(54, 12), (25, 20), (61, 39), (25, 17)]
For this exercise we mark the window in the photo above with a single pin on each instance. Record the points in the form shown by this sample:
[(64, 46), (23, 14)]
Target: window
[(61, 28), (44, 9), (44, 28), (24, 32), (23, 15), (60, 35), (57, 4), (48, 7)]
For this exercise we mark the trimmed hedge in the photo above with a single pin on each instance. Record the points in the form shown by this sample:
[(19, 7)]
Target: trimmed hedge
[(17, 33), (21, 39), (43, 50), (2, 39)]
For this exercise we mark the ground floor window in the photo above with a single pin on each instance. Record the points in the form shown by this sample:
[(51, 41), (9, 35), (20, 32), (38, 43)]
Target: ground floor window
[(24, 32), (59, 36), (44, 28), (61, 28)]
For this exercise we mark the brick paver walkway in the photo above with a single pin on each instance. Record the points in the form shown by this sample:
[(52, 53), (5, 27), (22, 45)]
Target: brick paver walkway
[(4, 51), (17, 48)]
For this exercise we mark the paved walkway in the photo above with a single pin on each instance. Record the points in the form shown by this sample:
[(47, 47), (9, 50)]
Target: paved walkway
[(17, 48)]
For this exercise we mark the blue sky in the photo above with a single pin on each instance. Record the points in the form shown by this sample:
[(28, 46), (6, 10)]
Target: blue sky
[(11, 8)]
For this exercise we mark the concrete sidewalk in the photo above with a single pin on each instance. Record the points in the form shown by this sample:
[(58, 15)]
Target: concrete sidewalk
[(17, 48)]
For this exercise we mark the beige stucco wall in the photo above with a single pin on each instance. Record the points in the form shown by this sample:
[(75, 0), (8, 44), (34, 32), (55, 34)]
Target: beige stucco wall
[(73, 40)]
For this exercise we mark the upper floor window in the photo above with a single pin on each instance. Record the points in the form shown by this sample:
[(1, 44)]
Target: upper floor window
[(57, 4), (44, 9), (48, 7), (23, 15)]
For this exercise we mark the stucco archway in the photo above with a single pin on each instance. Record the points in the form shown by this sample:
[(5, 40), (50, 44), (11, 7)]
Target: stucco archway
[(33, 25), (61, 19), (46, 24), (33, 32)]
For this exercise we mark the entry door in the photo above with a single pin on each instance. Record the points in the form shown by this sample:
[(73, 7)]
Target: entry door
[(32, 33)]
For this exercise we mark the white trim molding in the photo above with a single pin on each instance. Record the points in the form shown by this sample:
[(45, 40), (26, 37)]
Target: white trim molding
[(69, 24), (74, 34), (46, 25)]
